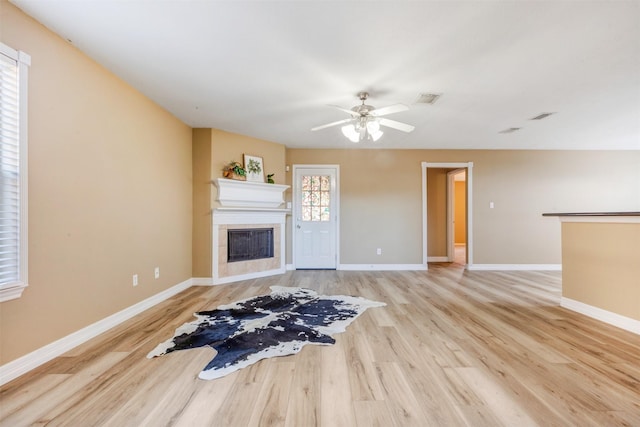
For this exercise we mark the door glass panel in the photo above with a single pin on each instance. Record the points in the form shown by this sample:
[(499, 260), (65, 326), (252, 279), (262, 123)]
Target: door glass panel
[(316, 198), (315, 213), (306, 214), (306, 182), (325, 183)]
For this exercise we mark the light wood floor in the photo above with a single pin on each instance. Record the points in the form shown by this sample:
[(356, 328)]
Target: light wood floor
[(450, 348)]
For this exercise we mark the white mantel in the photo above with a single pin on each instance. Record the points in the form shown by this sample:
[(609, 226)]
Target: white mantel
[(245, 204), (246, 194)]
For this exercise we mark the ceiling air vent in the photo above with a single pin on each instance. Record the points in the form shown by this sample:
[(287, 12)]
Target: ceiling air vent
[(541, 116), (509, 130), (428, 98)]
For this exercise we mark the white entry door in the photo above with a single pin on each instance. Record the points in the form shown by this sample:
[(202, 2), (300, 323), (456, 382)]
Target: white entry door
[(315, 222)]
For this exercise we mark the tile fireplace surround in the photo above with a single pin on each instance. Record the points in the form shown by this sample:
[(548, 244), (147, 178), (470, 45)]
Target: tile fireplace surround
[(243, 205)]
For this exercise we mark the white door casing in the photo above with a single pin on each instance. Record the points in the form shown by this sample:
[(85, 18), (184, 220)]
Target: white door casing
[(315, 216), (469, 204)]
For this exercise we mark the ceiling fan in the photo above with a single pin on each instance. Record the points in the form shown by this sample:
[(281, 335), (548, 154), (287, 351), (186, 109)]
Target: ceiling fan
[(365, 120)]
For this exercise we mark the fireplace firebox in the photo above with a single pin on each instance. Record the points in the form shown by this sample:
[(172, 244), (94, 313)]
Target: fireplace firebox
[(249, 243)]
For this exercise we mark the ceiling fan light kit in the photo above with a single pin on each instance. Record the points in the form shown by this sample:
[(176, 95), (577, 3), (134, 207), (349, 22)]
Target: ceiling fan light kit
[(350, 132), (363, 130), (365, 121)]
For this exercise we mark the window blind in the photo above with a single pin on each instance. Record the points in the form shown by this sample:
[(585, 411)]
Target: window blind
[(10, 190), (13, 172)]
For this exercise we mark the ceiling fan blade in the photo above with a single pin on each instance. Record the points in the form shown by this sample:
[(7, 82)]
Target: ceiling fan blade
[(339, 122), (353, 113), (388, 110), (397, 125)]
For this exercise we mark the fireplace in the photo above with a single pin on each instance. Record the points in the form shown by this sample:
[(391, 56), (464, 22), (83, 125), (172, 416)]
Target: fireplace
[(248, 231), (246, 244)]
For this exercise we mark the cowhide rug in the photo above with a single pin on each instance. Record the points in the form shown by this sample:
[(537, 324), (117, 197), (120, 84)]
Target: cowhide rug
[(278, 324)]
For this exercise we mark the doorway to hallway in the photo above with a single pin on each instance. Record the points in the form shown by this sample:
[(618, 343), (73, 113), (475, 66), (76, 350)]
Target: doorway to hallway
[(437, 202)]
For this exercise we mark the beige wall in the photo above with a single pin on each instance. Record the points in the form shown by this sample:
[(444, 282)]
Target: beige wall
[(202, 193), (601, 266), (437, 212), (381, 199), (380, 203), (460, 212), (229, 146), (109, 193)]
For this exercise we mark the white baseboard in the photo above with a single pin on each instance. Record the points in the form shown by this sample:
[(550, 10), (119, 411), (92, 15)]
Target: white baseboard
[(24, 364), (290, 267), (382, 267), (617, 320), (248, 276), (515, 267), (437, 259), (202, 281)]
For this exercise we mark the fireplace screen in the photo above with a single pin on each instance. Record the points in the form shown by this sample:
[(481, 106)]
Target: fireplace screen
[(249, 243)]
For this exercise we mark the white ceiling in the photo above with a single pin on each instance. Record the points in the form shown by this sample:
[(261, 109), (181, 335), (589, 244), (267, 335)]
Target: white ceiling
[(269, 69)]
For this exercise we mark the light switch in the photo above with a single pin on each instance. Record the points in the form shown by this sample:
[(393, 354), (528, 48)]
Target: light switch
[(491, 205)]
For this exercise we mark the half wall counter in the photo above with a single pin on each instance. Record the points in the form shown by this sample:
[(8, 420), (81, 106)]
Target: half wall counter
[(601, 266)]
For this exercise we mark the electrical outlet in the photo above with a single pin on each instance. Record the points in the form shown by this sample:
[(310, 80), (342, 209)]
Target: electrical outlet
[(156, 272), (135, 280), (379, 251)]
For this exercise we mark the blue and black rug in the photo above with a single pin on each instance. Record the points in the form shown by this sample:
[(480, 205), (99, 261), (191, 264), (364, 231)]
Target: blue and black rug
[(257, 328)]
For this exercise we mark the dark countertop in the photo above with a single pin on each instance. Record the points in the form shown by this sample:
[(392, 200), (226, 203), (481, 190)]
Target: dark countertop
[(593, 214)]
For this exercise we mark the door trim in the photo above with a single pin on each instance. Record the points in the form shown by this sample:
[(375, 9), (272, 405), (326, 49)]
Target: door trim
[(451, 210), (294, 213), (469, 168)]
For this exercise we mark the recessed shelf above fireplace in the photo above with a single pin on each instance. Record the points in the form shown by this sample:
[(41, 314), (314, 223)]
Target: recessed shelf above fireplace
[(246, 194)]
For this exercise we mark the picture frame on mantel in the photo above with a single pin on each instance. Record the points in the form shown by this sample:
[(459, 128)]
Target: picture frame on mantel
[(254, 167)]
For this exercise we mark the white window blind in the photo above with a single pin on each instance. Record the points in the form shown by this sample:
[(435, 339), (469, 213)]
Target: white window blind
[(13, 219)]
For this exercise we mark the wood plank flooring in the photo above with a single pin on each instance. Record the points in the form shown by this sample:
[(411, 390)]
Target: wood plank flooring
[(451, 348)]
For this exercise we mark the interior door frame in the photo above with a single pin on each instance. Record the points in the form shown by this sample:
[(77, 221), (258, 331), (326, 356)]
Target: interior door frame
[(294, 213), (451, 210), (469, 167)]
